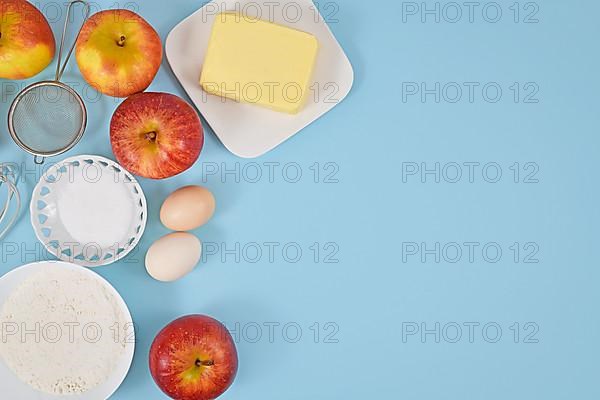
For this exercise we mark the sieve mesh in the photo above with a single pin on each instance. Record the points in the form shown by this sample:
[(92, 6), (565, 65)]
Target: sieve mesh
[(48, 118)]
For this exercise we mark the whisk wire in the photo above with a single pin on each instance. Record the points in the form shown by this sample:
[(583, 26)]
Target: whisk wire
[(9, 177)]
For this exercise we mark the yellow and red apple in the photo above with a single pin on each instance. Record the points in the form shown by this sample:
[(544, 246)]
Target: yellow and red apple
[(194, 358), (26, 41), (156, 135), (118, 52)]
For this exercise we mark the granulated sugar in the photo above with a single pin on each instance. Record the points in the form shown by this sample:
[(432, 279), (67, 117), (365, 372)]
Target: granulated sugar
[(63, 331), (96, 211)]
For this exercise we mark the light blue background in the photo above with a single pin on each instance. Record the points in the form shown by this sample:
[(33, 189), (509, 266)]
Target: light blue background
[(370, 212)]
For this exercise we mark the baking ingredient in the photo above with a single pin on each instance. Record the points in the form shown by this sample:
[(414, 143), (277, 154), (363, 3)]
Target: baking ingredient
[(118, 52), (71, 317), (259, 62), (194, 358), (27, 43), (94, 209), (156, 135), (187, 208), (173, 256)]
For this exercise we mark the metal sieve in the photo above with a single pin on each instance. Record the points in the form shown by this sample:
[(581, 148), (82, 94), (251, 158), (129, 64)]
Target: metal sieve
[(48, 118)]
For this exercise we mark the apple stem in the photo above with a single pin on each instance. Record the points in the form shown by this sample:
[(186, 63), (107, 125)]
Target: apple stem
[(121, 41), (151, 136), (205, 363)]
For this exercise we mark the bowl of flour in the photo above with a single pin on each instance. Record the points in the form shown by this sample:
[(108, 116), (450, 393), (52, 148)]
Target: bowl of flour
[(65, 332)]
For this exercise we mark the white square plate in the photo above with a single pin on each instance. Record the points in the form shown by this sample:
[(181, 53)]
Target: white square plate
[(248, 130)]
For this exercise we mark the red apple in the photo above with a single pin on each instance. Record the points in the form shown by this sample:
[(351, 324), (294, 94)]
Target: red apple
[(118, 52), (26, 40), (193, 358), (156, 135)]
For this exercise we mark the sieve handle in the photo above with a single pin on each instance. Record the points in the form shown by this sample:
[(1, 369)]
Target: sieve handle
[(60, 66)]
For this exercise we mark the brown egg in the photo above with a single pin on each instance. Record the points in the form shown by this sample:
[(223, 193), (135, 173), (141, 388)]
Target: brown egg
[(187, 208)]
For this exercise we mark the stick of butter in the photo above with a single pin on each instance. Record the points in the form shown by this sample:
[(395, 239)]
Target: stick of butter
[(259, 62)]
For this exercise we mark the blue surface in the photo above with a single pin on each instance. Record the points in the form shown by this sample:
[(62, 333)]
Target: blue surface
[(371, 215)]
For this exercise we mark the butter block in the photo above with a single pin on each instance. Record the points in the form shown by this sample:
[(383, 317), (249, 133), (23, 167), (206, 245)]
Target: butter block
[(256, 61)]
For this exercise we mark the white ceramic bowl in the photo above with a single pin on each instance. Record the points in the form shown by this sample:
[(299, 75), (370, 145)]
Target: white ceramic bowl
[(88, 210), (14, 388)]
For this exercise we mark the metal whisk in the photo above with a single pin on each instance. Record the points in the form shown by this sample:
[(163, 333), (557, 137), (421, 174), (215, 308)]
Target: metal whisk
[(8, 214), (49, 117)]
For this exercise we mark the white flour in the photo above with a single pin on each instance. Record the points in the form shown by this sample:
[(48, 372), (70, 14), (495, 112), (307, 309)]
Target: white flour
[(52, 350)]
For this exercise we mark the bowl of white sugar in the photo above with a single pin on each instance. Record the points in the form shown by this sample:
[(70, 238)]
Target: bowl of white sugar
[(88, 210)]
